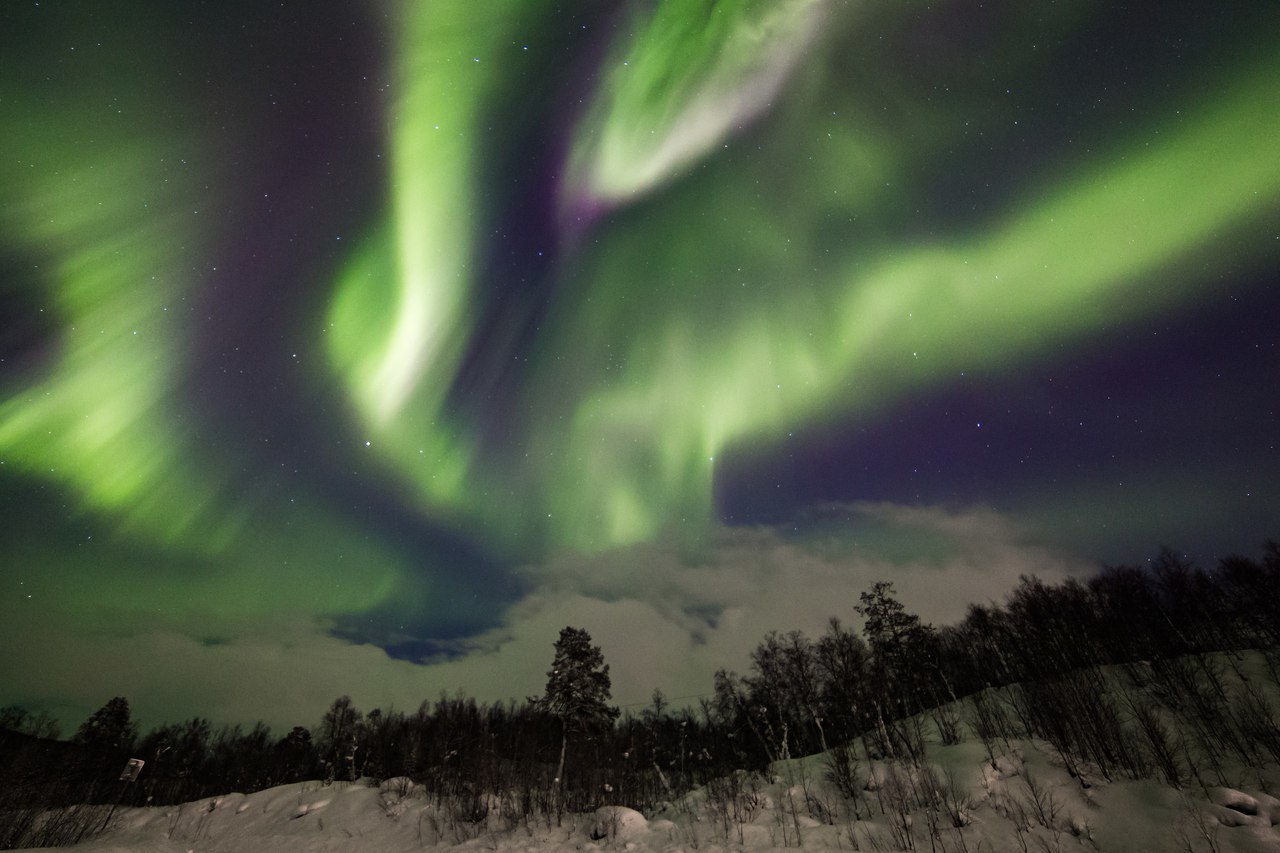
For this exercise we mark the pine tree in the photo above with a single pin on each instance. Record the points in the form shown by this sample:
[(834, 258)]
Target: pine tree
[(297, 753), (893, 634), (110, 727), (903, 654), (578, 689)]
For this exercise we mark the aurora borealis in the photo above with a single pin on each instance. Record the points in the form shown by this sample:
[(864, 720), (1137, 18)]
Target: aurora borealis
[(360, 347)]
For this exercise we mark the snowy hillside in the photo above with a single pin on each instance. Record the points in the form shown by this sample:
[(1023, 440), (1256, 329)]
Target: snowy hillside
[(1024, 802), (1191, 787), (1018, 797)]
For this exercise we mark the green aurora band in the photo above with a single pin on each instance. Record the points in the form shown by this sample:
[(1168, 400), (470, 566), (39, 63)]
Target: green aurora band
[(670, 343), (754, 300), (103, 416)]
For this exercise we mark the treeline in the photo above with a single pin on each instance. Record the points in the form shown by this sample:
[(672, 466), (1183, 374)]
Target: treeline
[(804, 695), (458, 750), (801, 695)]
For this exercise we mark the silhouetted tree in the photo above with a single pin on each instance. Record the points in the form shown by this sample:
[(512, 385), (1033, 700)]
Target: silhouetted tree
[(110, 727), (178, 753), (40, 724), (786, 686), (578, 689), (842, 659), (296, 752), (1252, 594), (901, 645), (338, 737)]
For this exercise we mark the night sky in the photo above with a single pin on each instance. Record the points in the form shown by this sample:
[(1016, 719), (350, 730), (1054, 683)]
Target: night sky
[(359, 347)]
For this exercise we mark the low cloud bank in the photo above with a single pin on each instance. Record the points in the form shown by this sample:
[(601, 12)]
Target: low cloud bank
[(664, 618)]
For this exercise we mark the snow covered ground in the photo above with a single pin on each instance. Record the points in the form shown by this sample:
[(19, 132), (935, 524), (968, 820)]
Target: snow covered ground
[(1023, 801), (1014, 794)]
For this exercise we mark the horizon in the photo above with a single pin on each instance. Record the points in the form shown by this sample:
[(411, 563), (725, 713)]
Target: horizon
[(675, 703)]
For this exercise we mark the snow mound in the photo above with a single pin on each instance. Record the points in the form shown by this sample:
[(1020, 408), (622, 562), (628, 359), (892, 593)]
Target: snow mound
[(401, 785), (1236, 808), (618, 823)]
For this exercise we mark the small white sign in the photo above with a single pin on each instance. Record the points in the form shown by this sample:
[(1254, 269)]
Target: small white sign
[(131, 770)]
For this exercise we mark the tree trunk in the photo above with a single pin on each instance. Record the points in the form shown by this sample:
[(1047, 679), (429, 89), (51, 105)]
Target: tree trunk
[(564, 745)]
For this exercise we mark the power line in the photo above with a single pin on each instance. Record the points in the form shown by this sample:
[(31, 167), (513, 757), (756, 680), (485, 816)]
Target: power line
[(668, 699)]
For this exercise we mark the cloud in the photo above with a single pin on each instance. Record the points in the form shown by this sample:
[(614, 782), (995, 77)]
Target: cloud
[(663, 617), (667, 619), (821, 560)]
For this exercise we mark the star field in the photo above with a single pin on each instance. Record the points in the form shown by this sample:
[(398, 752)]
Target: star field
[(350, 328)]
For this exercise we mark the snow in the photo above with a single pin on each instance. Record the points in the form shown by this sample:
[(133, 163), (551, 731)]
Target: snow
[(1023, 800), (1018, 797)]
